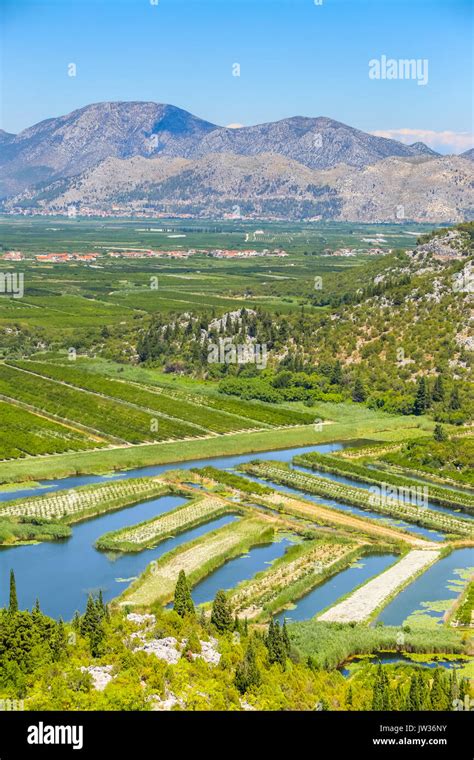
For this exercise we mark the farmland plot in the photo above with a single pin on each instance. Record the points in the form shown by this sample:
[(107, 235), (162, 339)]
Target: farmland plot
[(289, 578), (365, 600), (365, 475), (274, 471), (208, 420), (198, 559), (151, 532), (23, 434), (104, 415), (85, 501)]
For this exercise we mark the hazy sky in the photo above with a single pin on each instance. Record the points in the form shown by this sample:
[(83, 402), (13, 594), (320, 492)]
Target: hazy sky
[(296, 57)]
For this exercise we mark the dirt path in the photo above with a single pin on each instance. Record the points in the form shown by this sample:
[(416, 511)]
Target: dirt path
[(325, 514)]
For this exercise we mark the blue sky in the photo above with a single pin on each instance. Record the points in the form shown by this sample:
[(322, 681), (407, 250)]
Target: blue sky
[(296, 58)]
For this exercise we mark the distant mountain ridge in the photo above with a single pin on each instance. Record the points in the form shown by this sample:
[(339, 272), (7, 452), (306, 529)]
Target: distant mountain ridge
[(144, 156), (67, 145)]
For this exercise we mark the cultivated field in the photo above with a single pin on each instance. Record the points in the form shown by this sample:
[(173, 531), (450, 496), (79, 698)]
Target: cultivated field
[(291, 576), (198, 559), (77, 504), (365, 600), (280, 473), (151, 532)]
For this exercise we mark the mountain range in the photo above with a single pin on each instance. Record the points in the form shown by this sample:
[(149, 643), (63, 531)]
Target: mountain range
[(155, 158)]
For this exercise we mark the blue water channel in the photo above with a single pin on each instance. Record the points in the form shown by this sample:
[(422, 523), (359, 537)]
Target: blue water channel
[(61, 574)]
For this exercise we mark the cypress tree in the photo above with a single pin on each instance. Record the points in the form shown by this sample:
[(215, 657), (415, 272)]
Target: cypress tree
[(58, 646), (247, 673), (437, 695), (359, 393), (438, 389), (377, 693), (275, 644), (413, 698), (13, 602), (286, 638), (221, 616), (421, 400), (454, 402), (183, 603), (91, 626), (439, 434)]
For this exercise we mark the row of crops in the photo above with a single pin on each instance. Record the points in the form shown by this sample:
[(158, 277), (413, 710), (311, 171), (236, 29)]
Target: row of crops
[(151, 532), (280, 473), (265, 414), (106, 416), (231, 480), (437, 494), (157, 401), (23, 433), (219, 415), (76, 504)]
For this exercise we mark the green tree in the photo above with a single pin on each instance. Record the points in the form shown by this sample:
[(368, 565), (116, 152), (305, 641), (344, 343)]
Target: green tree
[(439, 433), (454, 402), (221, 615), (247, 674), (275, 644), (91, 625), (286, 638), (335, 377), (438, 389), (183, 602), (58, 645), (13, 602), (359, 393), (421, 399)]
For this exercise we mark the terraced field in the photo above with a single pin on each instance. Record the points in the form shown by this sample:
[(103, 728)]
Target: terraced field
[(85, 501), (151, 532), (280, 473)]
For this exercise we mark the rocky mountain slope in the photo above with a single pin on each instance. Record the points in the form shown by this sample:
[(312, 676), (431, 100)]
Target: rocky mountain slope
[(155, 158), (427, 189), (67, 145)]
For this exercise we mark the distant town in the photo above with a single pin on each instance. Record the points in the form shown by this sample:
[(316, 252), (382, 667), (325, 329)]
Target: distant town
[(138, 253)]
